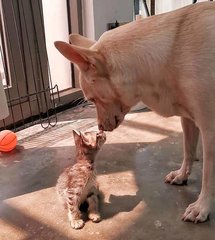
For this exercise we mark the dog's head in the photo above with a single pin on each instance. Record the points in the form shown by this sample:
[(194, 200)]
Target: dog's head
[(96, 81)]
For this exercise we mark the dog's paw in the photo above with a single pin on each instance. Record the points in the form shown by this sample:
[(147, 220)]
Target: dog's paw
[(197, 212), (77, 224), (177, 177), (95, 217)]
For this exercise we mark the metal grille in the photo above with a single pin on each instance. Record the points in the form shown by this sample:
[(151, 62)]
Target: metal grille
[(37, 103)]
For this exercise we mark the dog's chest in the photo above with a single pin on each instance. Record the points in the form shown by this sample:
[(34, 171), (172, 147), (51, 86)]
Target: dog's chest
[(159, 100), (164, 101)]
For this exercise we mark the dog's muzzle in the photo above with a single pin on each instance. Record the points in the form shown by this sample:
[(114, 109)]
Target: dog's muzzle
[(107, 126)]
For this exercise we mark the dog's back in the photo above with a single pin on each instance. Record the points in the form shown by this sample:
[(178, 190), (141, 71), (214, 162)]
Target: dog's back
[(186, 27), (174, 52)]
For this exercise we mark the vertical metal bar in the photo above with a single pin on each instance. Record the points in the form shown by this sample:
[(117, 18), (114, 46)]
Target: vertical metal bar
[(70, 31), (52, 99), (146, 8), (136, 7), (69, 15), (152, 7), (4, 124), (80, 19)]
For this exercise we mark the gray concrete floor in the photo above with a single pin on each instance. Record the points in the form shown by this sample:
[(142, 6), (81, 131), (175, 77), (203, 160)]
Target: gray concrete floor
[(131, 169)]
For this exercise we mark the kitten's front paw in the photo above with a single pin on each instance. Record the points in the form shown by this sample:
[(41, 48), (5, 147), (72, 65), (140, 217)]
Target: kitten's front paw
[(95, 217), (77, 224)]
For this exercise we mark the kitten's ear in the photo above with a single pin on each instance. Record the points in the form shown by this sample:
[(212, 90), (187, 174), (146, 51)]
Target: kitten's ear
[(85, 140), (77, 136)]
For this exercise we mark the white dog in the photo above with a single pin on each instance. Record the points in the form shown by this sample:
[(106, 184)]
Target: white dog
[(168, 62)]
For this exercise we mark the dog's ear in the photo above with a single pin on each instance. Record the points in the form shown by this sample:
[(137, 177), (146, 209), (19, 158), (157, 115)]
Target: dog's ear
[(80, 41), (84, 58)]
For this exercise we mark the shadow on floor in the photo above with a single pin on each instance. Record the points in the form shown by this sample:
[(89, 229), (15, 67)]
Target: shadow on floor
[(33, 228), (34, 169)]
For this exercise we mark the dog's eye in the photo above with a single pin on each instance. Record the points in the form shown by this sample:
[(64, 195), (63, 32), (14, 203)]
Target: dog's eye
[(91, 100)]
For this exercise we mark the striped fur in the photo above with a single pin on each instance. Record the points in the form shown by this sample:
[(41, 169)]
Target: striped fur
[(77, 183)]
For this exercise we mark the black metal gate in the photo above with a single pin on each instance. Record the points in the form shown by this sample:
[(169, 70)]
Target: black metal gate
[(31, 95)]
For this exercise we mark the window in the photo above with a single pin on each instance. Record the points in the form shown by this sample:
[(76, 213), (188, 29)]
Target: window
[(3, 60)]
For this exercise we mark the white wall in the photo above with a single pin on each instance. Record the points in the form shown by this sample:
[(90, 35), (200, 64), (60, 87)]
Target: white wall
[(88, 19), (110, 11), (56, 28), (98, 13), (169, 5)]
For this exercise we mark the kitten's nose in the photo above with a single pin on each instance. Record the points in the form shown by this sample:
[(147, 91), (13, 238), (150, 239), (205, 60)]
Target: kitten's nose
[(104, 136), (101, 127), (102, 133)]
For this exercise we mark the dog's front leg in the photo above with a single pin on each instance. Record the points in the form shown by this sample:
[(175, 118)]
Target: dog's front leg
[(199, 210), (190, 139)]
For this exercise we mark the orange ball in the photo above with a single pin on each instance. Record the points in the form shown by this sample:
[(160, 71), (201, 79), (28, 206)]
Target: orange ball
[(8, 140)]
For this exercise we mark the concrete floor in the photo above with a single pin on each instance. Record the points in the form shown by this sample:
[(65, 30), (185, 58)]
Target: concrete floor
[(131, 170)]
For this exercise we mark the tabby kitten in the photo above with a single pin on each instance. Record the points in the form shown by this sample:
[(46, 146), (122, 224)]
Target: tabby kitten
[(77, 184)]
